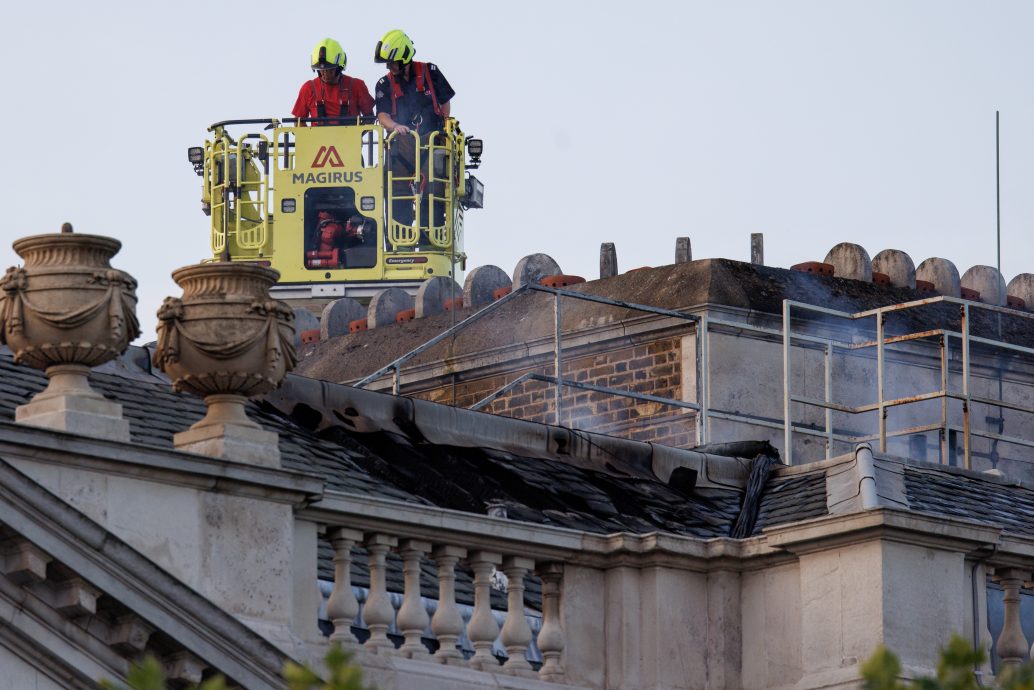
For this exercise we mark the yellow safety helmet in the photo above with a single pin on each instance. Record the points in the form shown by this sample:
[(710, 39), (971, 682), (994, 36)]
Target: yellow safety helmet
[(395, 45), (328, 53)]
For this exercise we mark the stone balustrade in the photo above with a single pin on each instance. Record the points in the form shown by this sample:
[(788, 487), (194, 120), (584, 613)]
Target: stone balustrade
[(599, 591), (492, 552), (482, 632), (595, 589)]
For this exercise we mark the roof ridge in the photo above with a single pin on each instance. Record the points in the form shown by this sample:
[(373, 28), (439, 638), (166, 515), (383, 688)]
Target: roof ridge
[(426, 421)]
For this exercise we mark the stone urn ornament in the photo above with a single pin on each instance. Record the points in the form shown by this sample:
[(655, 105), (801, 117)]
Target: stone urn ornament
[(64, 311), (226, 340)]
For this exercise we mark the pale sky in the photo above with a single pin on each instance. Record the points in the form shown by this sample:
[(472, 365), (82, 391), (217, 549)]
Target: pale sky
[(628, 122)]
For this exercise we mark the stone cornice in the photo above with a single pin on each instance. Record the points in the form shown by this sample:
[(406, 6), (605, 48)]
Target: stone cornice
[(438, 525), (657, 549), (72, 657), (542, 543), (150, 463), (776, 545), (935, 531), (1013, 551), (112, 567)]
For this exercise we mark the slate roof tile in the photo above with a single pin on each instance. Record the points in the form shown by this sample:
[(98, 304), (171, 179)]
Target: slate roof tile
[(156, 412), (974, 498), (789, 499)]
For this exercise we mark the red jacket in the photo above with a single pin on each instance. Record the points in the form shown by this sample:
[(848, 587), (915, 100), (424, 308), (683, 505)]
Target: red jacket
[(349, 97)]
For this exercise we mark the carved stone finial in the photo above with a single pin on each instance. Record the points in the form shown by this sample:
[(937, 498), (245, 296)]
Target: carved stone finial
[(64, 311), (226, 340), (66, 227)]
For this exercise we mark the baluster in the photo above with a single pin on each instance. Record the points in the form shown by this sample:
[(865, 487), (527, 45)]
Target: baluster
[(482, 628), (551, 635), (986, 642), (1012, 645), (378, 611), (447, 622), (516, 635), (342, 606), (982, 575), (412, 618)]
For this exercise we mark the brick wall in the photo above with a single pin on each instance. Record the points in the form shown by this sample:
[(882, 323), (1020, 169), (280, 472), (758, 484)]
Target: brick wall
[(651, 367)]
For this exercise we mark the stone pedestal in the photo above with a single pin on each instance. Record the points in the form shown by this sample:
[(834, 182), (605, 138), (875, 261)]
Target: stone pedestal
[(69, 404), (226, 341), (231, 442)]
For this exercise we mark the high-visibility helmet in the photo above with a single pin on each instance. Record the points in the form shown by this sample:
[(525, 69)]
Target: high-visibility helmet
[(328, 53), (395, 45)]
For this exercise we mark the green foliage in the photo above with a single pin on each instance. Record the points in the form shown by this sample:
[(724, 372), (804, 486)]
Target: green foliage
[(881, 671), (149, 675), (955, 671), (341, 675)]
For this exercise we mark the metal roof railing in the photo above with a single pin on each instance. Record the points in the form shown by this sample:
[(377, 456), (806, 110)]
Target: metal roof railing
[(830, 345), (559, 383), (883, 402)]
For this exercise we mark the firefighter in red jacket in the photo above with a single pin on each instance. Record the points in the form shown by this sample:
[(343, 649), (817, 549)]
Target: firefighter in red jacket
[(412, 98), (332, 93), (331, 239)]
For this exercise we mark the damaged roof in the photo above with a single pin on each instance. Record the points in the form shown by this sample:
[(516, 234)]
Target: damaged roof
[(376, 444), (588, 481)]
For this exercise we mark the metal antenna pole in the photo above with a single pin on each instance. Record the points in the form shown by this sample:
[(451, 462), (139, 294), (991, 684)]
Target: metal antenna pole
[(998, 193)]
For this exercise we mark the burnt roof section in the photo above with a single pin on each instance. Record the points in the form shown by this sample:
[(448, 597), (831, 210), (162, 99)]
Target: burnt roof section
[(716, 282), (609, 489), (607, 498), (789, 499), (546, 492), (390, 464)]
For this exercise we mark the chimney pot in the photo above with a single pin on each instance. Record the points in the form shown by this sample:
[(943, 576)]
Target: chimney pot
[(683, 250)]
